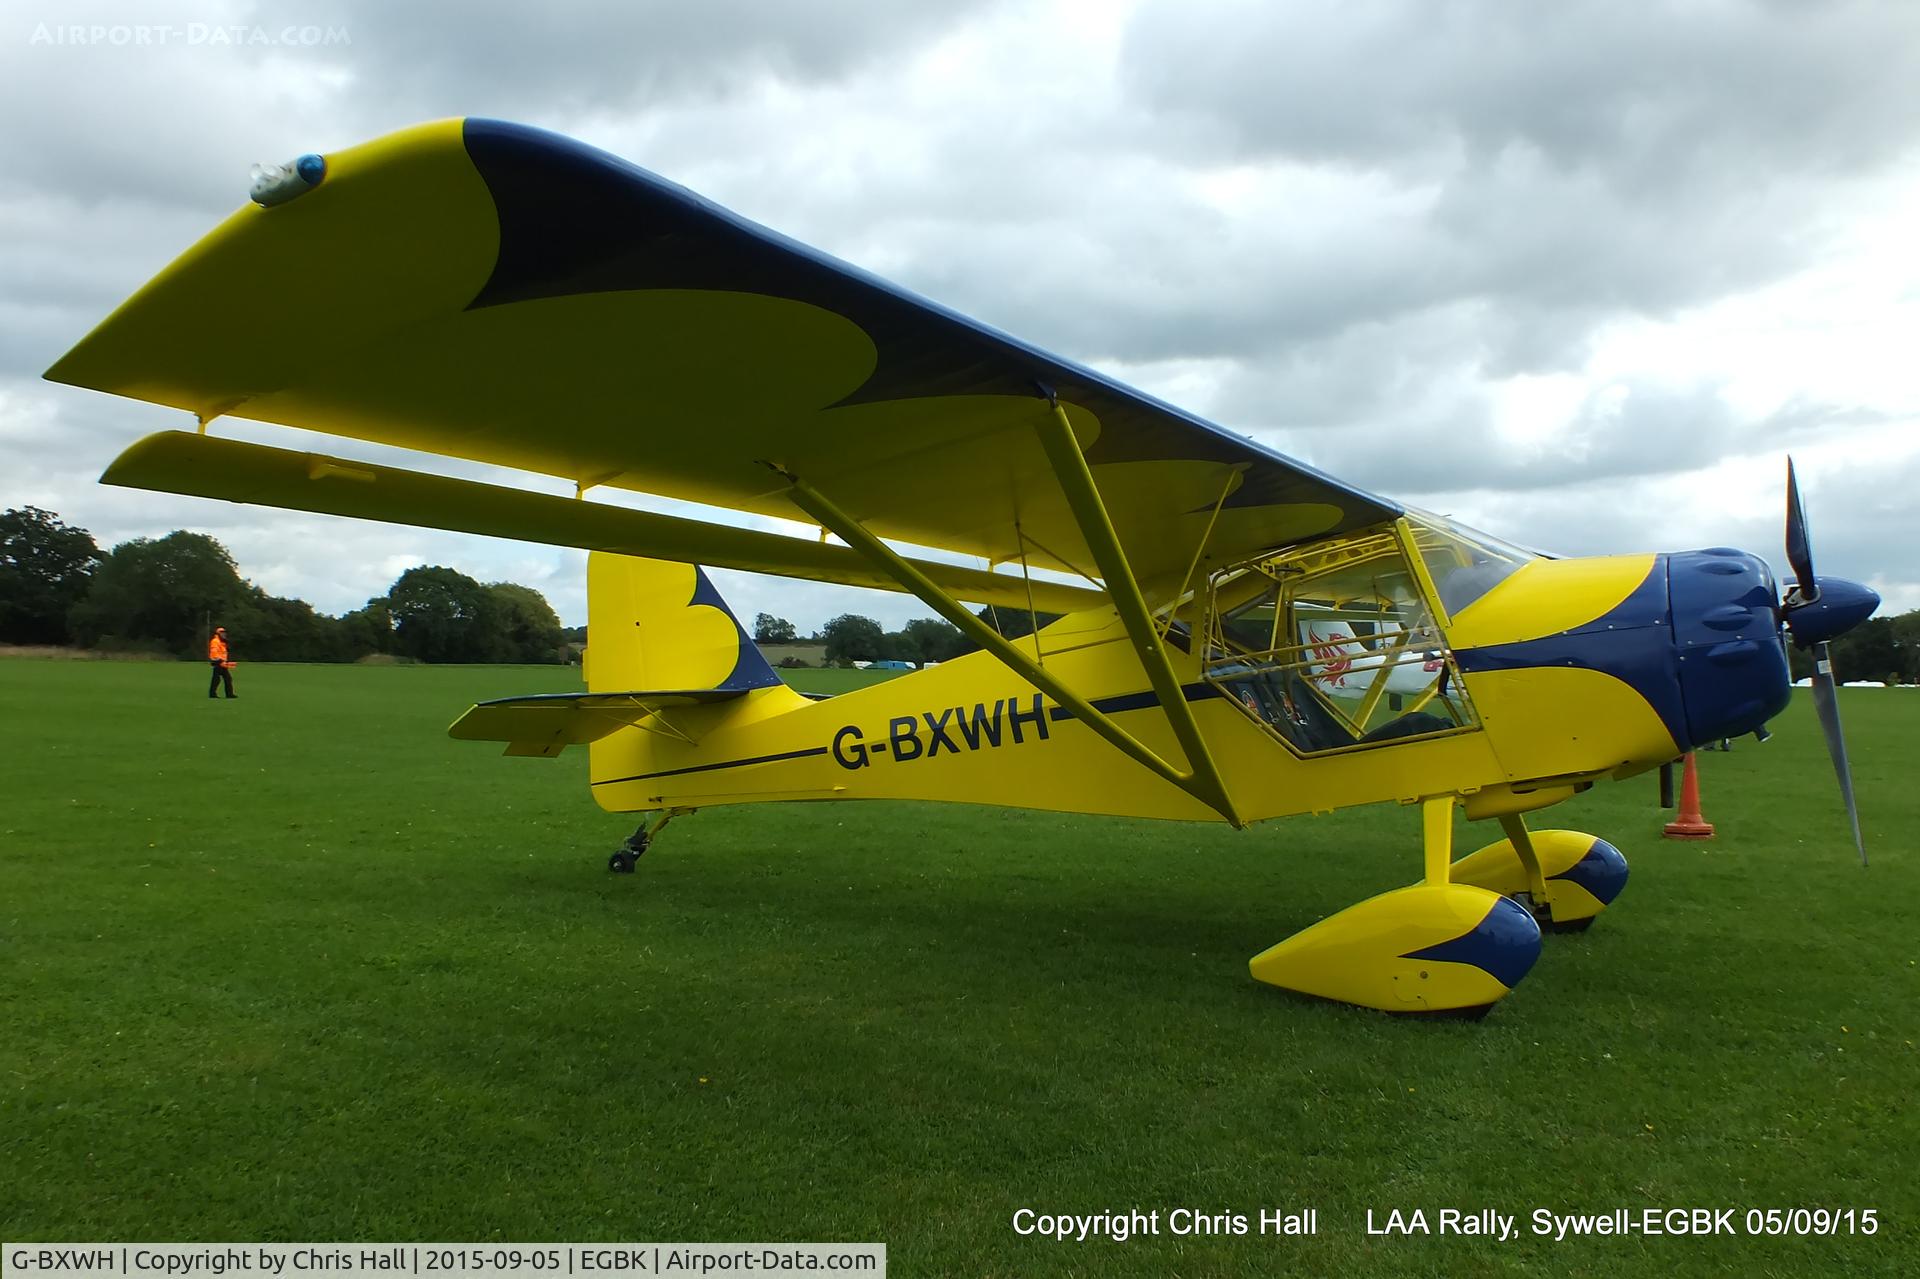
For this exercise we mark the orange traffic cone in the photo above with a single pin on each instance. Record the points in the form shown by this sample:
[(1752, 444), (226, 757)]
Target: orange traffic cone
[(1690, 824)]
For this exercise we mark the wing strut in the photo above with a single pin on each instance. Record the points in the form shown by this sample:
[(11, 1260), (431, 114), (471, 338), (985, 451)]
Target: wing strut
[(1201, 779)]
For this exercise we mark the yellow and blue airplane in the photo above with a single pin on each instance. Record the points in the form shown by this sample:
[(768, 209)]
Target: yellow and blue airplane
[(1241, 636)]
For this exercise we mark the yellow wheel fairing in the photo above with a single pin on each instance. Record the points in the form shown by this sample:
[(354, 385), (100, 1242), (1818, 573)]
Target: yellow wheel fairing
[(1583, 872), (1428, 948)]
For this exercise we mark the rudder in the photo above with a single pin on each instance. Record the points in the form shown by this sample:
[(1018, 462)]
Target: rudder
[(657, 624)]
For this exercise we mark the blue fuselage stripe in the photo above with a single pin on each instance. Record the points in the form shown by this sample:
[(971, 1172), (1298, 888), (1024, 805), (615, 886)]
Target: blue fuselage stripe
[(708, 768)]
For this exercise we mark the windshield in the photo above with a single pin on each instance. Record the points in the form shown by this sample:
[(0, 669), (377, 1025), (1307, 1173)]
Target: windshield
[(1464, 563), (1332, 647)]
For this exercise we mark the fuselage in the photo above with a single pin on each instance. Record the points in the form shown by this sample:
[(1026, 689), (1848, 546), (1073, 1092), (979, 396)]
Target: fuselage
[(1557, 674)]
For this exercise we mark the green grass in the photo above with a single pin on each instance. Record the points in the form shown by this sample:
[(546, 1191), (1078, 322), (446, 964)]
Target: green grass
[(299, 967), (834, 680)]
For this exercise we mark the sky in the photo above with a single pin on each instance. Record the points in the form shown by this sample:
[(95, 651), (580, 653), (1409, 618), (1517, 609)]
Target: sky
[(1580, 274)]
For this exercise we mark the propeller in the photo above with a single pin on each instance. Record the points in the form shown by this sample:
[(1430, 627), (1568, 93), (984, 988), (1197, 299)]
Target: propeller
[(1816, 613), (1828, 707), (1806, 587)]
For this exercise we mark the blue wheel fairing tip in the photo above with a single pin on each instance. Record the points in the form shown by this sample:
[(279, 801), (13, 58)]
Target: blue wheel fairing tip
[(1504, 945), (311, 168), (1602, 872)]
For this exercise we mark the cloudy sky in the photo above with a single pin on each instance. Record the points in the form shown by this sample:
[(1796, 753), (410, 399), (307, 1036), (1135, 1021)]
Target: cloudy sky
[(1581, 274)]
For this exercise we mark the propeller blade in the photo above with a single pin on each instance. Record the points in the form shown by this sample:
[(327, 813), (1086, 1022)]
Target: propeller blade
[(1828, 705), (1799, 545)]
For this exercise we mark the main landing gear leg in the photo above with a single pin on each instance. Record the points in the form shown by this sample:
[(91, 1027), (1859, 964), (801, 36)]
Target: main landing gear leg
[(1439, 947), (1565, 877), (622, 861)]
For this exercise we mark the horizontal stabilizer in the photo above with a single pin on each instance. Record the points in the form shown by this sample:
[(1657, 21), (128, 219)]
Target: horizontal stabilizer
[(545, 724)]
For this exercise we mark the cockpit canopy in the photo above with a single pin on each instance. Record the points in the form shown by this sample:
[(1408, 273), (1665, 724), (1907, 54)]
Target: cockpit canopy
[(1463, 563), (1334, 645)]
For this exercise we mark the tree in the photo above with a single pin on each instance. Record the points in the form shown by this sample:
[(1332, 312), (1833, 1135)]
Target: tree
[(1906, 638), (161, 590), (852, 638), (1014, 622), (44, 570), (928, 639), (367, 630), (1880, 648), (1869, 651), (442, 615), (768, 629), (269, 628), (531, 628), (895, 647)]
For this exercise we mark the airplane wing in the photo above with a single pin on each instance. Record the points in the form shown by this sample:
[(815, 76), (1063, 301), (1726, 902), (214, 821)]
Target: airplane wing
[(487, 291)]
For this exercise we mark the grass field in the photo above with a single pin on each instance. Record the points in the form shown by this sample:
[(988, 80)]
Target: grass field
[(299, 967)]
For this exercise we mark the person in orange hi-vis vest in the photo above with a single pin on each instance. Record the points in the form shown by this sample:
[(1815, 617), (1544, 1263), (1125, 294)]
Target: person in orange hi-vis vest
[(222, 664)]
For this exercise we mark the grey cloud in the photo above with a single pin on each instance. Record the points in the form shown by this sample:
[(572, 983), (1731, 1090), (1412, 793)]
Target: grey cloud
[(1154, 276), (1862, 516), (500, 55), (1420, 370), (1594, 159), (1649, 96), (1636, 430), (174, 123), (1150, 271), (1524, 234), (65, 264)]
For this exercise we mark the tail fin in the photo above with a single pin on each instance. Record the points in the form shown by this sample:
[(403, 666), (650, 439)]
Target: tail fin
[(654, 624)]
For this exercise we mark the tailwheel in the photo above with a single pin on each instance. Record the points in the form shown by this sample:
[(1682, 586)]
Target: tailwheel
[(622, 862)]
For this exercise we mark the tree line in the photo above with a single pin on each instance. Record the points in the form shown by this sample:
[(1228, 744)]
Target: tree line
[(1881, 648), (852, 637), (162, 595)]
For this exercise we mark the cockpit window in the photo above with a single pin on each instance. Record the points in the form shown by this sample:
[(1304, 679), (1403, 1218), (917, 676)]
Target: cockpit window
[(1464, 563), (1333, 646)]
